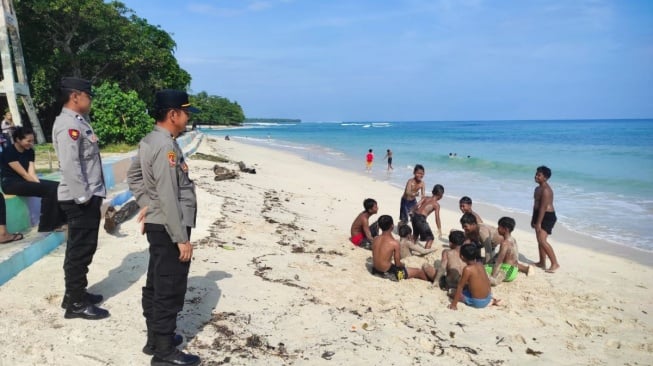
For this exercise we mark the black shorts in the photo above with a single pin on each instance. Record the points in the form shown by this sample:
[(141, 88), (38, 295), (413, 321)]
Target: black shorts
[(393, 273), (548, 221), (421, 228)]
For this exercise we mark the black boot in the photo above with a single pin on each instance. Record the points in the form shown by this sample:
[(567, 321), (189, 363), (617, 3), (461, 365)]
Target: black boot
[(150, 346), (165, 353), (85, 310), (91, 298)]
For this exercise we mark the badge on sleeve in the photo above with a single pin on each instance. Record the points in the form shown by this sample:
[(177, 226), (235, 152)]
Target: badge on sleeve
[(73, 133), (172, 158)]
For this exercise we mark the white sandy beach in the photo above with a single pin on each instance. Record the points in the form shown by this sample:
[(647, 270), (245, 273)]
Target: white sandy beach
[(274, 281)]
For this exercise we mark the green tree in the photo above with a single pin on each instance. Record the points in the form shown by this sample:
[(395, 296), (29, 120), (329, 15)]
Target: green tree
[(216, 110), (97, 41), (119, 116)]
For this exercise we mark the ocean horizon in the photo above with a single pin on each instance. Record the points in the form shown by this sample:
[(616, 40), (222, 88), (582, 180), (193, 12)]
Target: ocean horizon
[(602, 170)]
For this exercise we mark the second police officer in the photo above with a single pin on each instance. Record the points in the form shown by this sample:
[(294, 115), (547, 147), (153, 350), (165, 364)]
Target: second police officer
[(159, 179)]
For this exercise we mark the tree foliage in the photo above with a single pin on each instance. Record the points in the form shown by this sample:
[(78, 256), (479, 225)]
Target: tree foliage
[(107, 43), (216, 110), (119, 116), (94, 40)]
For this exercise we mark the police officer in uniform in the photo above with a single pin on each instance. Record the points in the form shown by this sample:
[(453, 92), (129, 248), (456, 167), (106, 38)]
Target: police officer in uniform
[(159, 179), (80, 194)]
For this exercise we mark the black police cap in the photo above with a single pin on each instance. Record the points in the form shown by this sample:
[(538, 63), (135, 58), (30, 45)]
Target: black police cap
[(76, 84), (176, 99)]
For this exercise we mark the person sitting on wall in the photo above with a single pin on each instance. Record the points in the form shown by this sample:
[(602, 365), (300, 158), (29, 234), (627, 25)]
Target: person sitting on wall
[(19, 178)]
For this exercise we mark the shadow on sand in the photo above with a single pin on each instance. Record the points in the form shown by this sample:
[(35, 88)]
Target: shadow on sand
[(130, 270), (202, 297)]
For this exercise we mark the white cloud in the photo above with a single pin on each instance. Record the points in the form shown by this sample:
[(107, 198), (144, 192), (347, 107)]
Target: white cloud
[(259, 5), (236, 8)]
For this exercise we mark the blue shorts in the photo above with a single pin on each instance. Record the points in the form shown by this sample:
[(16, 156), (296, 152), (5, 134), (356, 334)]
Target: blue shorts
[(405, 208), (475, 303)]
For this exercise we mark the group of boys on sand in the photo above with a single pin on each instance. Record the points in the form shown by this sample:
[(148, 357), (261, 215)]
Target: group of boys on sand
[(463, 272)]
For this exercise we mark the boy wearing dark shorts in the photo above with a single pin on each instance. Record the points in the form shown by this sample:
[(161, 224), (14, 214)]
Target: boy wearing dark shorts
[(421, 228), (544, 218), (386, 256), (414, 187)]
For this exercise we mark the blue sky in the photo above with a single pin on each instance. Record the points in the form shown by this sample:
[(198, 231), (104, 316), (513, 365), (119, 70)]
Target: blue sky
[(410, 60)]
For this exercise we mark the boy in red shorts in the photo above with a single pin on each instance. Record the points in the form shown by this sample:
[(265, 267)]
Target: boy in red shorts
[(362, 233)]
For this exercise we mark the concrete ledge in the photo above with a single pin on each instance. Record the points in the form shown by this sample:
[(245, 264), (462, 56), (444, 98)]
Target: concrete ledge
[(21, 212), (18, 214), (24, 256)]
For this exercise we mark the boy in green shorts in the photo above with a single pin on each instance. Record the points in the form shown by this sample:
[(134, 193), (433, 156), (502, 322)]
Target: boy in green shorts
[(506, 264)]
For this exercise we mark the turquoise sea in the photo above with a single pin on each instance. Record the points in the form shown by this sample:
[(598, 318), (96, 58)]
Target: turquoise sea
[(602, 169)]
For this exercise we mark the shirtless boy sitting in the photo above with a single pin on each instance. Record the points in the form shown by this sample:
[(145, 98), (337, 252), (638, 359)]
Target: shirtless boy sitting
[(427, 205), (385, 249), (361, 232), (506, 265), (486, 236), (486, 230), (407, 245), (451, 265), (474, 285)]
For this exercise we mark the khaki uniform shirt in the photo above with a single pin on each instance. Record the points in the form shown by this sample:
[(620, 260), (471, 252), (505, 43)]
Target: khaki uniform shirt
[(78, 151), (158, 178)]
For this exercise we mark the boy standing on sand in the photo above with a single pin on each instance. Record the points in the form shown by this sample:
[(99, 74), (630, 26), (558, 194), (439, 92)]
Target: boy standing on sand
[(369, 159), (506, 265), (385, 248), (474, 286), (414, 188), (361, 232), (451, 266), (544, 218), (427, 205)]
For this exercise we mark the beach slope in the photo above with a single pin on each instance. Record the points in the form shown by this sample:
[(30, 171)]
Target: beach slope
[(274, 281)]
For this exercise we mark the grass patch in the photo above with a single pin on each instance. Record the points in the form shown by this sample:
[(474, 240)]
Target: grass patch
[(46, 158), (43, 148), (118, 148), (40, 171)]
